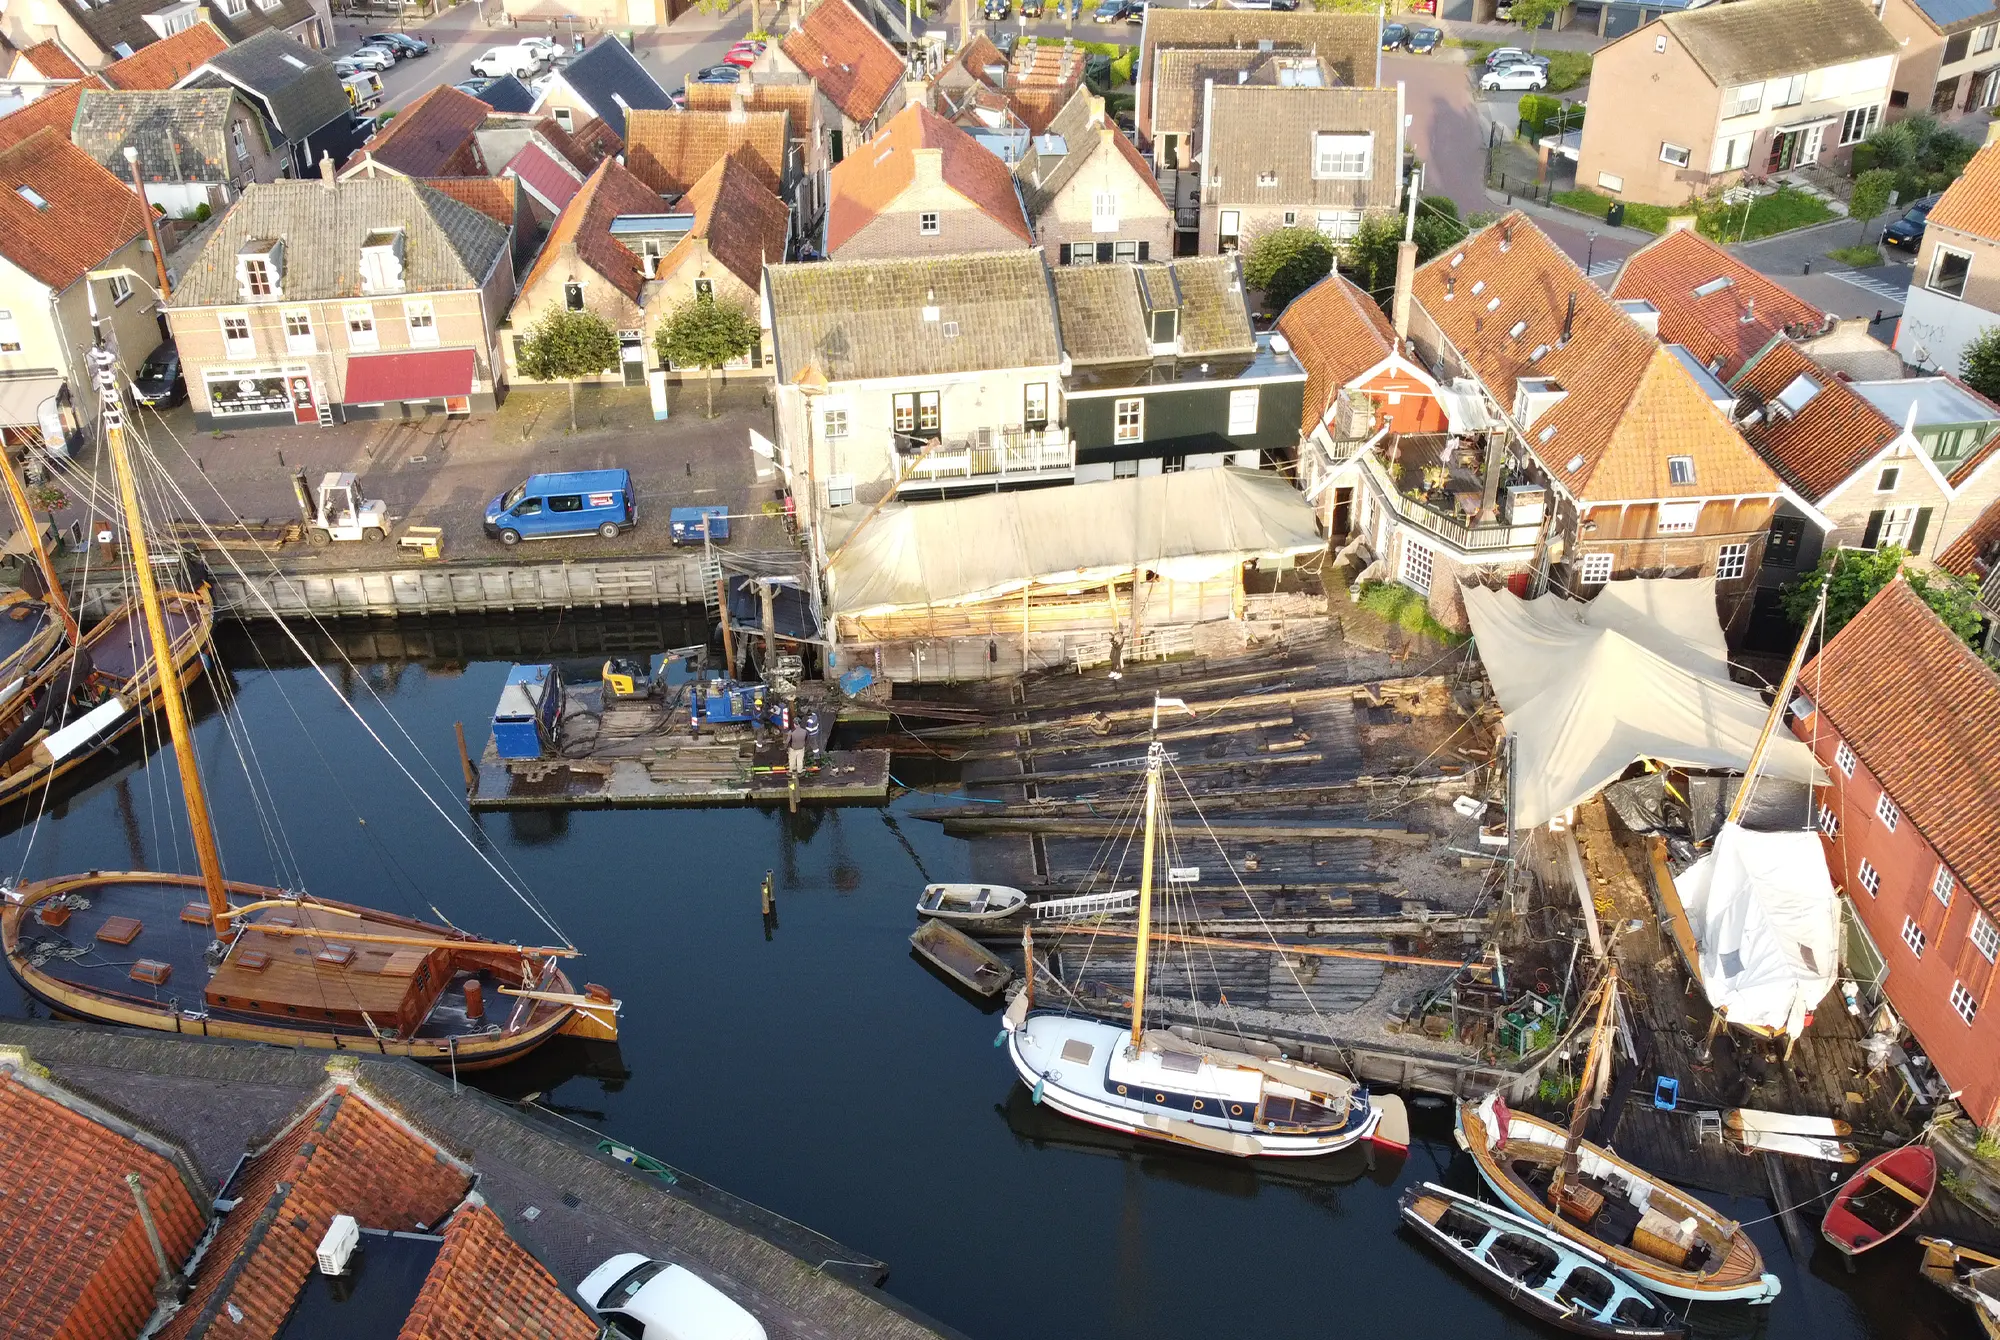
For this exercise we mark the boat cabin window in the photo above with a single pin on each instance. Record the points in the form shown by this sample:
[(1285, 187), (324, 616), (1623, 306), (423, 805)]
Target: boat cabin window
[(568, 502), (1077, 1052), (1181, 1063), (1522, 1258), (514, 495), (1586, 1288)]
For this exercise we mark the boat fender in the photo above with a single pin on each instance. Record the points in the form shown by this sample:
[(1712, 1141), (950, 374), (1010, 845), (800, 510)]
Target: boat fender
[(1036, 1095), (1000, 1038)]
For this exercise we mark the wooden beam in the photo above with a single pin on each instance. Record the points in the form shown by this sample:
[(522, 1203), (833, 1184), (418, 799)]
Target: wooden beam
[(1308, 951), (1258, 832)]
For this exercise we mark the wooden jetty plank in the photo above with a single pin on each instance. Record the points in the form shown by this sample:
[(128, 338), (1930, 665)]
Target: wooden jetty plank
[(1290, 697), (1304, 832), (1222, 798), (1232, 764)]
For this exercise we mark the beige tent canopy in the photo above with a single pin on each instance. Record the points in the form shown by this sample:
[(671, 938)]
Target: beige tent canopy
[(1589, 688), (1192, 526)]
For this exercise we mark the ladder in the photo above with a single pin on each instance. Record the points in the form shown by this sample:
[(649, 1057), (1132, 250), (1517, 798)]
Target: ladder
[(711, 575), (325, 413), (1087, 905)]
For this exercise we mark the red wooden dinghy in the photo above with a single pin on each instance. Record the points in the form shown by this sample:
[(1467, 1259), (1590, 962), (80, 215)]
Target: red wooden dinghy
[(1882, 1199)]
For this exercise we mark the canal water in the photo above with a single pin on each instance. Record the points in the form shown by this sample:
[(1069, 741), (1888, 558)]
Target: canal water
[(816, 1067)]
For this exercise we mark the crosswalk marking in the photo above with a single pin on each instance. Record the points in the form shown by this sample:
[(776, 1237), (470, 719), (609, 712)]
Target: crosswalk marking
[(1880, 287)]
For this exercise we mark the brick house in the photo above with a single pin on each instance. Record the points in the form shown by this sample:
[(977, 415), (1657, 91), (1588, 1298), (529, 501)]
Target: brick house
[(97, 34), (435, 136), (801, 104), (1904, 716), (322, 301), (1951, 56), (921, 186), (1699, 99), (1955, 289), (858, 75), (603, 84), (1090, 197)]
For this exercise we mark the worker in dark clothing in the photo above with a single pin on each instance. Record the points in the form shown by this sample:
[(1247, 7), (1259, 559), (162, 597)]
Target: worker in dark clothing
[(796, 740)]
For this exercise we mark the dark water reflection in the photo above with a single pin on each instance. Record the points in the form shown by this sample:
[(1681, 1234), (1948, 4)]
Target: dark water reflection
[(818, 1068)]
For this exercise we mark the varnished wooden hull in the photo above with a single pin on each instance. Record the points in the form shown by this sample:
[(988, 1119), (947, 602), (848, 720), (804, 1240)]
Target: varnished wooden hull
[(542, 1022)]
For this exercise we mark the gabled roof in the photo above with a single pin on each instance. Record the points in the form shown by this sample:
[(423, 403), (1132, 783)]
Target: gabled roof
[(447, 245), (182, 134), (875, 175), (1972, 203), (1749, 40), (169, 60), (1719, 308), (742, 220), (840, 51), (583, 231), (1347, 42), (296, 83), (794, 98), (922, 315), (432, 137), (1630, 404), (1973, 553), (612, 82), (1949, 16), (545, 177), (1337, 332), (492, 196), (483, 1283), (507, 94), (50, 61), (86, 213), (1922, 710), (975, 60), (1105, 309), (52, 111), (1261, 132), (1832, 435), (1081, 127), (112, 23), (76, 1257), (593, 142), (670, 151)]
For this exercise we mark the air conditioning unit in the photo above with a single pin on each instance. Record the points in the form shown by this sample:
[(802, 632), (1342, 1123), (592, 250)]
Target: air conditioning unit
[(343, 1235)]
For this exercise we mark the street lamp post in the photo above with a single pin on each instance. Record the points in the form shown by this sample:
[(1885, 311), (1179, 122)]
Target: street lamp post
[(1589, 253)]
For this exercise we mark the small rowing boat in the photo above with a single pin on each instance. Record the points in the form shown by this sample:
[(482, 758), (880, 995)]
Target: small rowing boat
[(960, 957), (1881, 1200), (970, 902), (1970, 1276), (1560, 1282)]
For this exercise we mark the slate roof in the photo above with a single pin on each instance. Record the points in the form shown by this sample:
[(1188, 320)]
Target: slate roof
[(838, 49), (1348, 42), (182, 134), (1835, 434), (296, 83), (1923, 712), (169, 60), (484, 1284), (1084, 132), (52, 111), (447, 245), (1103, 308), (492, 196), (858, 319), (50, 61), (744, 223), (583, 230), (432, 137), (89, 213), (74, 1257), (875, 175), (1630, 404), (670, 151), (110, 22), (607, 73), (1713, 324), (1337, 332), (507, 94), (1969, 205), (1749, 40), (1261, 130)]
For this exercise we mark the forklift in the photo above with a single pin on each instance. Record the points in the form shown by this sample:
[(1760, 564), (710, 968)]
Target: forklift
[(338, 511)]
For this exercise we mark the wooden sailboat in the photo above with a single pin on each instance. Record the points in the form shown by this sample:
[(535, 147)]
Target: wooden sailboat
[(1970, 1276), (1672, 1242), (32, 628), (204, 955), (1156, 1084)]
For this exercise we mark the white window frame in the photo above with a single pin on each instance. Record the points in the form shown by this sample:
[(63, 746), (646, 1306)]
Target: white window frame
[(121, 288), (1742, 100), (258, 270), (1595, 569), (1937, 263), (1868, 877), (833, 423), (10, 332), (1677, 518), (1243, 412), (1680, 470), (1731, 562), (1942, 884), (565, 118), (1886, 811), (1886, 481), (1897, 524), (1964, 1002), (1418, 566), (1104, 212), (1857, 123), (839, 490), (1827, 821), (359, 318), (234, 346), (1787, 92), (1983, 37), (928, 224), (1338, 225), (1343, 157), (239, 140), (1675, 155), (1229, 224), (1731, 153), (302, 339), (420, 317), (1035, 404), (1914, 937), (1985, 936), (1128, 420), (1843, 758)]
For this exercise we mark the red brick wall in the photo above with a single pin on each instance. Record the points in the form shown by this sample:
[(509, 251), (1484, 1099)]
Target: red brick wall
[(1918, 988)]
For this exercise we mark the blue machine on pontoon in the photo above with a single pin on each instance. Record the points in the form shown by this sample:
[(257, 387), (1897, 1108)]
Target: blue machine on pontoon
[(529, 712)]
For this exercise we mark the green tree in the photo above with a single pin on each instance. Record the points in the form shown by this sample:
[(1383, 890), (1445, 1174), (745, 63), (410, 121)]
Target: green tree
[(1979, 366), (565, 345), (1534, 15), (1853, 576), (1871, 196), (706, 334), (1370, 255), (1285, 262)]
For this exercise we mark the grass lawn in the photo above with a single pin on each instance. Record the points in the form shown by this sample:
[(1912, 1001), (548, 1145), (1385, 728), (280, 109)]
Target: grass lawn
[(1649, 218), (1779, 212), (1395, 603), (1859, 257), (1111, 49)]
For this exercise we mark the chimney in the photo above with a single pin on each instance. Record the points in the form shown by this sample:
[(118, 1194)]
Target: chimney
[(326, 168), (736, 110), (916, 93), (927, 167), (1096, 105), (1569, 319), (1681, 222), (1506, 234), (1406, 265), (1749, 311), (965, 24)]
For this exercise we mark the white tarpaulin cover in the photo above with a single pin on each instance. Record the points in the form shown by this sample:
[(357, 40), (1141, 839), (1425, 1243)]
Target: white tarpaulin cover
[(1190, 526), (1588, 688), (1767, 925)]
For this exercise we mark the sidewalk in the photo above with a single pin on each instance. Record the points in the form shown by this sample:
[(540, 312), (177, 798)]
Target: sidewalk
[(1507, 34)]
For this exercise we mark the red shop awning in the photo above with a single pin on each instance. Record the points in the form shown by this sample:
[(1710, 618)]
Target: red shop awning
[(432, 374)]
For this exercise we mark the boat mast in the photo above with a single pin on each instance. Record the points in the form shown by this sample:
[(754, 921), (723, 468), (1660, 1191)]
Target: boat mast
[(104, 368), (1777, 712), (1587, 1090), (57, 600), (1156, 762)]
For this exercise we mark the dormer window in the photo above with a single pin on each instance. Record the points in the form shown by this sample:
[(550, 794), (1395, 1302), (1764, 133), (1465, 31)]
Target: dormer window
[(258, 281), (382, 261), (260, 269), (1680, 469), (32, 196), (1342, 157), (1166, 327)]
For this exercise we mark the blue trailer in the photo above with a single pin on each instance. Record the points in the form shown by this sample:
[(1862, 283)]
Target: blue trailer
[(684, 523), (529, 712)]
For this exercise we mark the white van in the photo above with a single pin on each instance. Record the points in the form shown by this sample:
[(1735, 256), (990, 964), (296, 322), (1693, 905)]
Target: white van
[(637, 1297), (364, 89)]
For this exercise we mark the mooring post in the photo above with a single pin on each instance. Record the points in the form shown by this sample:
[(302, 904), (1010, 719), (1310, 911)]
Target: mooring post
[(465, 761), (770, 895)]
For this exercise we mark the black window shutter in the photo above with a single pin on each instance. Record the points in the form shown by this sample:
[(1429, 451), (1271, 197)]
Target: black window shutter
[(1105, 253), (1065, 253), (1923, 523), (1874, 531), (1144, 247), (837, 155)]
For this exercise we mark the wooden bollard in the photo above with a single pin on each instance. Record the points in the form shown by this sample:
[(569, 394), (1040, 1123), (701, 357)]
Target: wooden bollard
[(770, 895)]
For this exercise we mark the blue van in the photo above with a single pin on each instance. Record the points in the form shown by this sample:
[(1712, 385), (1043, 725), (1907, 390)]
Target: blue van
[(580, 502)]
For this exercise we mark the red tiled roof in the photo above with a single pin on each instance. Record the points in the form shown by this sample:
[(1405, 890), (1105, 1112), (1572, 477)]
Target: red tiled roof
[(164, 63), (1923, 712), (1338, 333), (543, 175), (346, 1157), (1835, 434), (841, 52), (53, 111), (1972, 553), (872, 177), (491, 196), (1972, 203), (1629, 406), (566, 144), (595, 141), (794, 99), (432, 137), (741, 219), (976, 58), (74, 1258), (483, 1283), (584, 229), (671, 151), (1725, 327), (50, 61), (87, 213)]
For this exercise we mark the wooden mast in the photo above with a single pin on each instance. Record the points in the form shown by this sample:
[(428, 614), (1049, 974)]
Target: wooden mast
[(57, 600), (1777, 712), (1587, 1092), (103, 365), (1155, 757)]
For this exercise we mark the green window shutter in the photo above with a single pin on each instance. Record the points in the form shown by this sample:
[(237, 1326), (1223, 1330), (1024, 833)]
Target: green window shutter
[(1874, 531)]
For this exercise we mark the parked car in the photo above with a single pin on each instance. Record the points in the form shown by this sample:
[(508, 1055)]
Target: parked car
[(472, 88), (635, 1296), (577, 502), (545, 48), (1424, 41), (1031, 9), (402, 44), (1513, 78), (496, 61), (717, 74), (1135, 11), (1111, 11), (371, 58), (1513, 56), (996, 9), (159, 382), (1393, 35), (1907, 233), (740, 57)]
